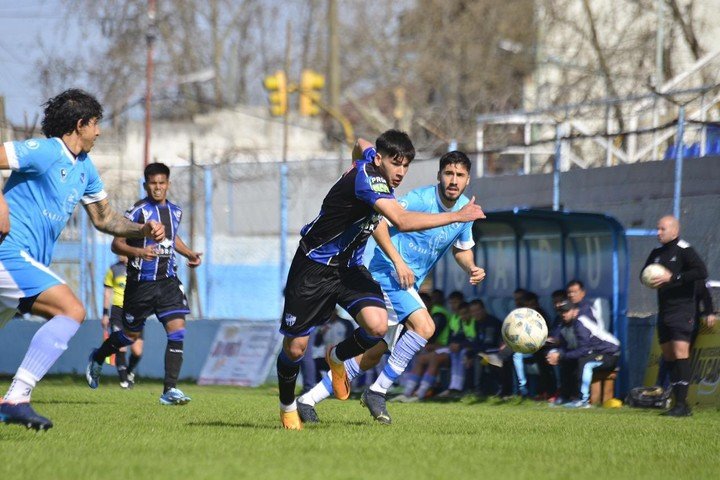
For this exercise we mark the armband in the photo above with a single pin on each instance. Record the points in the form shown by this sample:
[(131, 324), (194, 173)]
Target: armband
[(106, 311)]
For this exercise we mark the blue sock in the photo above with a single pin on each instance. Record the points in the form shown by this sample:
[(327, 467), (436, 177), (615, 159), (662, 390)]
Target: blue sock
[(404, 351)]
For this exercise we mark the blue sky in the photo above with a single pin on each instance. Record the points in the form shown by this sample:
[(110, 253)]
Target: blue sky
[(28, 30)]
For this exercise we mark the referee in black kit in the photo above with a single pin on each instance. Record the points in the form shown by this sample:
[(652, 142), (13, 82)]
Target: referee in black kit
[(676, 306)]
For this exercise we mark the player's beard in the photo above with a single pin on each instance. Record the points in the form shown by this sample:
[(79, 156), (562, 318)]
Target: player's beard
[(446, 197)]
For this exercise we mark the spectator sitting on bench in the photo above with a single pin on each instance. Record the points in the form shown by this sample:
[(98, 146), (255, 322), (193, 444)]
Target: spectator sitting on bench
[(576, 293), (581, 341)]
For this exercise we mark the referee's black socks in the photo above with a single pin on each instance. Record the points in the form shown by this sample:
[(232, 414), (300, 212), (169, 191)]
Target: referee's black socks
[(680, 375)]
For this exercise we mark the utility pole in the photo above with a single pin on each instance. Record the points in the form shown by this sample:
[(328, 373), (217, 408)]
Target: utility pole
[(150, 38), (284, 175), (333, 56)]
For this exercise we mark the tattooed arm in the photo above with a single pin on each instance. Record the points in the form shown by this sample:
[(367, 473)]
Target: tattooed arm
[(109, 221)]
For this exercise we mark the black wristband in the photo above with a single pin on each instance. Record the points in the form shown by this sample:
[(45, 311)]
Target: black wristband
[(106, 311)]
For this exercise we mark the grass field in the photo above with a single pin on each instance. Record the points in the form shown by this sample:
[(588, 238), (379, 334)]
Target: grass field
[(234, 433)]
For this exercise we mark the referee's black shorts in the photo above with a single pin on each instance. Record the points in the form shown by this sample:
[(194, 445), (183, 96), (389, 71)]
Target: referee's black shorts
[(164, 298), (313, 289), (677, 325)]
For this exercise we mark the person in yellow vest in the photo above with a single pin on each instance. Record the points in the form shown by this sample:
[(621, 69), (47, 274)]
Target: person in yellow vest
[(463, 332), (112, 320)]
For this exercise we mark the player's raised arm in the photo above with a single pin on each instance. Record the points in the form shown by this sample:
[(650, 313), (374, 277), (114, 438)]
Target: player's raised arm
[(4, 210), (408, 221), (107, 220), (466, 260)]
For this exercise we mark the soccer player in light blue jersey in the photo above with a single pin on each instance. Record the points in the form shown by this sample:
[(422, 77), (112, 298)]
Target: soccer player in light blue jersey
[(399, 264), (49, 177)]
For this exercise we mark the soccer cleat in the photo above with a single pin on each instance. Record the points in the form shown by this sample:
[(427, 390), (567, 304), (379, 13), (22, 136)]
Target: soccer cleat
[(125, 385), (577, 404), (23, 414), (679, 410), (449, 394), (307, 413), (174, 396), (93, 371), (131, 378), (291, 420), (375, 402), (340, 382), (491, 359)]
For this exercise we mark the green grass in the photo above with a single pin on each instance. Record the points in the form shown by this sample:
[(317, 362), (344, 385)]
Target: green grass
[(234, 433)]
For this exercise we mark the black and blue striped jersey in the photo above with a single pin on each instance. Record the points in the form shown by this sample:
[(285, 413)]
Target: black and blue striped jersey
[(165, 264), (337, 236)]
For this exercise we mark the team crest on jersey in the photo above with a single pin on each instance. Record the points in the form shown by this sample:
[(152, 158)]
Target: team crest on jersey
[(290, 319), (177, 214), (657, 259), (82, 177), (32, 144), (63, 174), (379, 185)]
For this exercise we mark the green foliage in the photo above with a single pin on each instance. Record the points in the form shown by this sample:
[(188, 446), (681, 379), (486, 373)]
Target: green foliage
[(234, 433)]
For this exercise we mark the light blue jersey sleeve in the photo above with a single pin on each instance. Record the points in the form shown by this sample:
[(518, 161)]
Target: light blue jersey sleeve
[(95, 190), (33, 156), (465, 240), (413, 201)]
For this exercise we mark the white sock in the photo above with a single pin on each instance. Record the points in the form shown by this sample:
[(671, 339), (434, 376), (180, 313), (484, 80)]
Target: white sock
[(289, 408), (46, 346), (19, 392), (318, 393)]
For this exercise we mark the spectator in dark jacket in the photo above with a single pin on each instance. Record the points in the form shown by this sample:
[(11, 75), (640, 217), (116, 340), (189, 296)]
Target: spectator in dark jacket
[(583, 341)]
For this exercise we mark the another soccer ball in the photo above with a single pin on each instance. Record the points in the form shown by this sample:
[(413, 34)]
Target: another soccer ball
[(524, 330), (651, 272)]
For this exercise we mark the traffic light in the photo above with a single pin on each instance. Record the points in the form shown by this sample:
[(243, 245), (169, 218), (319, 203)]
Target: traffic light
[(277, 88), (311, 83)]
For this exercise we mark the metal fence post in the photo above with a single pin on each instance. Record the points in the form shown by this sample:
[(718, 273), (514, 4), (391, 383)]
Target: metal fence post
[(283, 224), (679, 154), (208, 239), (556, 170)]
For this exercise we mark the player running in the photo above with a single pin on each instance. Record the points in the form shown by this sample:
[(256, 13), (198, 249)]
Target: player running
[(152, 285), (399, 264), (327, 268), (50, 176)]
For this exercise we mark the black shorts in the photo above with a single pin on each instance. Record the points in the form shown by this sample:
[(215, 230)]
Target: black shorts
[(313, 289), (165, 298), (116, 319), (676, 326)]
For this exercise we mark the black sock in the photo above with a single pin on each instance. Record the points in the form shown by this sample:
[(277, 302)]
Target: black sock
[(287, 372), (121, 366), (681, 380), (173, 362), (111, 345), (355, 344), (132, 363)]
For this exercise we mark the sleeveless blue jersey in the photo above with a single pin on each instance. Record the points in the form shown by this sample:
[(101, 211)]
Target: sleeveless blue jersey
[(421, 250), (46, 184), (165, 264)]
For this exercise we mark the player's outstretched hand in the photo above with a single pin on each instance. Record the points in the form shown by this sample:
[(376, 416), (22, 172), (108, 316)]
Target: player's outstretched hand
[(4, 220), (154, 230), (194, 259), (477, 275), (471, 212)]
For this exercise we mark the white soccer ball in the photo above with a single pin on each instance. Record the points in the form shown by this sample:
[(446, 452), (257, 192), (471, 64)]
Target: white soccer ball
[(524, 330), (650, 273)]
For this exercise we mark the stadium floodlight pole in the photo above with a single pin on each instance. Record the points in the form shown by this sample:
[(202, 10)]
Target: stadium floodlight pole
[(150, 38), (284, 175)]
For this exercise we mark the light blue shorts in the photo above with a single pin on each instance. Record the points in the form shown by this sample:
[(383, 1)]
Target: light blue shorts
[(21, 276), (400, 303)]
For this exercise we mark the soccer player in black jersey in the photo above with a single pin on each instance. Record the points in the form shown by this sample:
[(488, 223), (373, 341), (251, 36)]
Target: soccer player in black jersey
[(327, 268), (152, 286), (676, 306)]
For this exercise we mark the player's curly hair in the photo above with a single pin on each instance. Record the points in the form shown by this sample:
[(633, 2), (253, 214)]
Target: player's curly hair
[(395, 144), (63, 111), (455, 157)]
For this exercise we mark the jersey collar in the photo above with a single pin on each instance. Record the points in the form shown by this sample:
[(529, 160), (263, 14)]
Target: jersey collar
[(70, 156)]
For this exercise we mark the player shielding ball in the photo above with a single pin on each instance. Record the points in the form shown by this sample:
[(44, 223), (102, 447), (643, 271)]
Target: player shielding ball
[(327, 268), (50, 176)]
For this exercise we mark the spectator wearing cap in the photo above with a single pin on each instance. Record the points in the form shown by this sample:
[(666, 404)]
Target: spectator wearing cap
[(583, 348)]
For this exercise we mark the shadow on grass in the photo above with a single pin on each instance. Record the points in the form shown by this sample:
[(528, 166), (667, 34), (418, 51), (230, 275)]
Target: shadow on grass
[(67, 402), (223, 424)]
